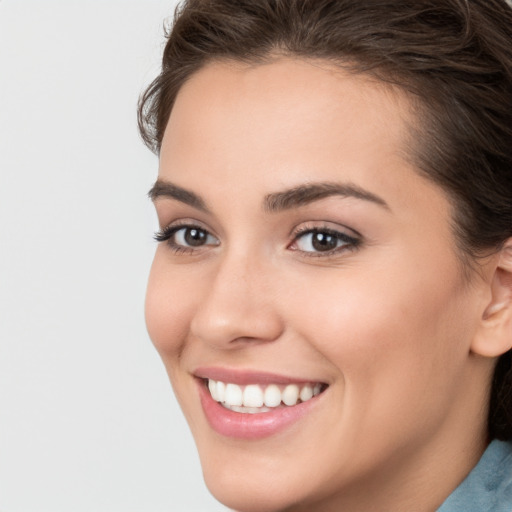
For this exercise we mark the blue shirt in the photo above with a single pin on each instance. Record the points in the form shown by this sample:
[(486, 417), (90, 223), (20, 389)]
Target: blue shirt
[(488, 488)]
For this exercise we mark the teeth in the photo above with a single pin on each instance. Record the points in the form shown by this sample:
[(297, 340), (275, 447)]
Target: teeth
[(233, 395), (291, 394), (306, 393), (221, 391), (212, 386), (249, 410), (272, 396), (254, 398)]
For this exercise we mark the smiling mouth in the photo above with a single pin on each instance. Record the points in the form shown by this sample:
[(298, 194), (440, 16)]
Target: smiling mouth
[(256, 398)]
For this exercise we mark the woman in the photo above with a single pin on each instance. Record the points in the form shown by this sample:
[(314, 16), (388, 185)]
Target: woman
[(332, 291)]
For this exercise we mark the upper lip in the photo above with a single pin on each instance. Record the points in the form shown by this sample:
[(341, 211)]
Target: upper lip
[(244, 377)]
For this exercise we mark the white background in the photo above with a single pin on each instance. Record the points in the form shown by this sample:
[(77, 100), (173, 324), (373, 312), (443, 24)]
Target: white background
[(88, 422)]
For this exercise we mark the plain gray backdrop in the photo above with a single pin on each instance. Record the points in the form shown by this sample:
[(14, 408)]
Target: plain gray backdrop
[(88, 422)]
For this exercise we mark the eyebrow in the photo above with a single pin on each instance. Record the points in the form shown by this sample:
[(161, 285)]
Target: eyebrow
[(276, 201), (306, 194), (166, 189)]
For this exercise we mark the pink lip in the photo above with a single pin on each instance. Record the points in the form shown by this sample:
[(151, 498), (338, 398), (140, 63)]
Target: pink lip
[(250, 426), (244, 377)]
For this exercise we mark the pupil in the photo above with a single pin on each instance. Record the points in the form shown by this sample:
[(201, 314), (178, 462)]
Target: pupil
[(195, 237), (324, 242)]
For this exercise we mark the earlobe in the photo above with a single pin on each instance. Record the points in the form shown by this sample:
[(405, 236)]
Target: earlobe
[(494, 335)]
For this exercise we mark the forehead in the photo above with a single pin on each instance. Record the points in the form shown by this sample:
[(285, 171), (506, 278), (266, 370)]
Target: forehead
[(283, 123), (297, 92)]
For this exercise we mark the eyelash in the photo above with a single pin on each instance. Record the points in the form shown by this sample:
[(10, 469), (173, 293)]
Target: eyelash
[(166, 235), (350, 243)]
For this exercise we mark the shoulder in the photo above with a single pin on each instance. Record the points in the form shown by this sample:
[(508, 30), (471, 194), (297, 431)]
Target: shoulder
[(489, 485)]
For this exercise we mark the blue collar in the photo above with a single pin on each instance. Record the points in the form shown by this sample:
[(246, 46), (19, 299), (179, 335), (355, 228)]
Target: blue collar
[(488, 488)]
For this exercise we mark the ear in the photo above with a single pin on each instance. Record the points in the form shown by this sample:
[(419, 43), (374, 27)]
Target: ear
[(494, 335)]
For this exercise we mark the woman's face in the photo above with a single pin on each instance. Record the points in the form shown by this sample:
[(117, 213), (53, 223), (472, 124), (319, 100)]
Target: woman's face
[(303, 256)]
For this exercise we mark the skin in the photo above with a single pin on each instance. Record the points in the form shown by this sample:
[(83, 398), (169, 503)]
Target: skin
[(391, 325)]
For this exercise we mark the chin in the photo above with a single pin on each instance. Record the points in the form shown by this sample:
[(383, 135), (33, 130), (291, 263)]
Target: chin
[(252, 480), (248, 494)]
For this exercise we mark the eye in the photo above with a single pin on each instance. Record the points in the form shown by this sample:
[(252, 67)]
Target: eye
[(326, 241), (186, 237), (192, 237)]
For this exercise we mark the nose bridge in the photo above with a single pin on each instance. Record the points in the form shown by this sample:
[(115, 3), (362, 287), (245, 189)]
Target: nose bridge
[(237, 305)]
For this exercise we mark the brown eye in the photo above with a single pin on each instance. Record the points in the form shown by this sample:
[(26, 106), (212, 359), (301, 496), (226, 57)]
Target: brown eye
[(324, 241), (186, 237), (192, 236)]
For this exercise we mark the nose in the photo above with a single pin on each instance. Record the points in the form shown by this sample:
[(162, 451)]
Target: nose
[(237, 305)]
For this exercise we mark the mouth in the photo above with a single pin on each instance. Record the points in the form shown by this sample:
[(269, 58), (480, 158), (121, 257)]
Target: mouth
[(257, 398), (252, 405)]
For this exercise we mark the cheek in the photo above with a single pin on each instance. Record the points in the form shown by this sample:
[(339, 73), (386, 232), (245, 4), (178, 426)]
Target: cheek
[(391, 334), (167, 309)]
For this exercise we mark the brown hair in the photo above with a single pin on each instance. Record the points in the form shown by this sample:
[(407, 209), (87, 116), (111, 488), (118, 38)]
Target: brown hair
[(453, 58)]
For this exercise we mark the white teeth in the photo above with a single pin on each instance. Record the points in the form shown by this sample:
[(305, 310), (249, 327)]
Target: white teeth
[(212, 386), (290, 394), (249, 410), (306, 393), (272, 397), (254, 398), (233, 395), (221, 391)]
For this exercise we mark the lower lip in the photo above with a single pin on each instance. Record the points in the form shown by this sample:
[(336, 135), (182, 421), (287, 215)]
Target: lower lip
[(251, 426)]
